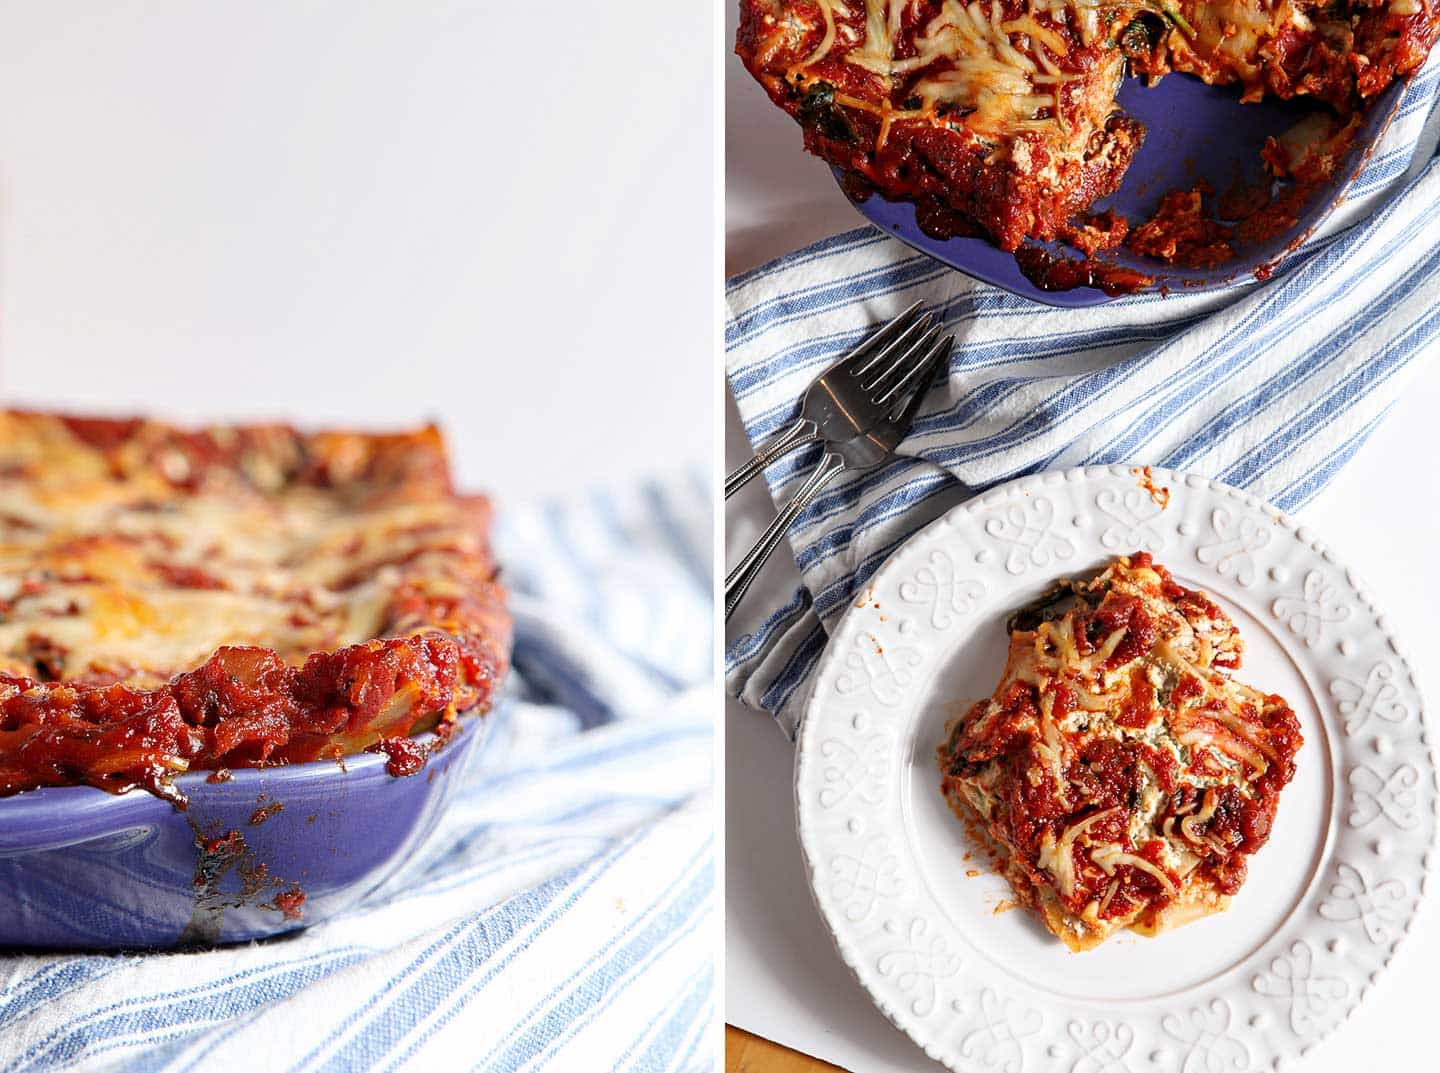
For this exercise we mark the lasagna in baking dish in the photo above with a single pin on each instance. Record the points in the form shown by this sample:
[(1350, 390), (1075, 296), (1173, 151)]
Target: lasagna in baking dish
[(1002, 112), (174, 600), (1122, 772)]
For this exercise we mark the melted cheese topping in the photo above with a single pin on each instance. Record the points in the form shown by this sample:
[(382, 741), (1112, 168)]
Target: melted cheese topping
[(129, 578), (882, 26), (1234, 29), (1235, 33), (977, 68), (1006, 88), (1057, 856), (1111, 856)]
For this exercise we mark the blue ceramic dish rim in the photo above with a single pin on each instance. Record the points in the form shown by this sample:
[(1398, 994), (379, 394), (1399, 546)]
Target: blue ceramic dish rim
[(877, 211), (52, 817)]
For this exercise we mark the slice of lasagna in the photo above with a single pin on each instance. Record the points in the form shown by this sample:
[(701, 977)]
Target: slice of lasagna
[(176, 599), (1123, 774)]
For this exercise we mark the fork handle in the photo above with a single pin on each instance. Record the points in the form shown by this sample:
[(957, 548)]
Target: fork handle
[(801, 432), (739, 580)]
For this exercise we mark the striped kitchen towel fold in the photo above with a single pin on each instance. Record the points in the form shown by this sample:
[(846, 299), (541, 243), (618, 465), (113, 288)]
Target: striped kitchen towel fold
[(562, 918), (1270, 387)]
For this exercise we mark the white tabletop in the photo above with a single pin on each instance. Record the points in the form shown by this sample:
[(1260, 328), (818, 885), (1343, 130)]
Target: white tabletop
[(378, 213), (784, 980)]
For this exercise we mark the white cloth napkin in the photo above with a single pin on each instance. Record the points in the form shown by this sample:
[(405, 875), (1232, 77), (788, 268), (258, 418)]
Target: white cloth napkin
[(1270, 387), (561, 918)]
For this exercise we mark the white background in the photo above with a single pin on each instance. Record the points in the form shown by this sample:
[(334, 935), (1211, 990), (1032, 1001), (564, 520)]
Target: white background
[(379, 212), (784, 980)]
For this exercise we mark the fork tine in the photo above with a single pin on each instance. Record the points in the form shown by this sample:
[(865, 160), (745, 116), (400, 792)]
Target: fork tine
[(904, 417), (884, 333), (914, 351), (892, 345), (937, 357), (919, 374), (895, 355)]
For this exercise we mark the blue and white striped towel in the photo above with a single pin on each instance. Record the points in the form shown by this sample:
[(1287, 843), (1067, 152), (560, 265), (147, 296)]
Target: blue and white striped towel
[(563, 917), (1271, 387)]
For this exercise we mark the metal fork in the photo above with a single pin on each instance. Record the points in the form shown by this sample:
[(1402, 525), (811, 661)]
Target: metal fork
[(841, 400), (864, 452)]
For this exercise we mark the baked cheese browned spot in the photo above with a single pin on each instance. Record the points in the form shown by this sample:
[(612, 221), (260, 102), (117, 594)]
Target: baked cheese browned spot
[(1127, 776)]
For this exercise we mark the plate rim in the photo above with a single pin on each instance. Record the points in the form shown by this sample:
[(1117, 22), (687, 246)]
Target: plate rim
[(1382, 628)]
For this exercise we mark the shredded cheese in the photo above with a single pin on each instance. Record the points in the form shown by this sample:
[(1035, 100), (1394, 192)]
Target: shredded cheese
[(1111, 856), (1057, 856), (1190, 825), (1205, 731), (827, 42), (977, 69), (1051, 746)]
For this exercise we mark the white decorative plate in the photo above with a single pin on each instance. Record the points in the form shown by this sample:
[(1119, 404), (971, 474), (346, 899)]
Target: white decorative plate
[(989, 991)]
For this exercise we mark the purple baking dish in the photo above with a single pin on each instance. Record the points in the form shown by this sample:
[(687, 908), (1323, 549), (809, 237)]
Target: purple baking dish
[(82, 869), (1193, 132)]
